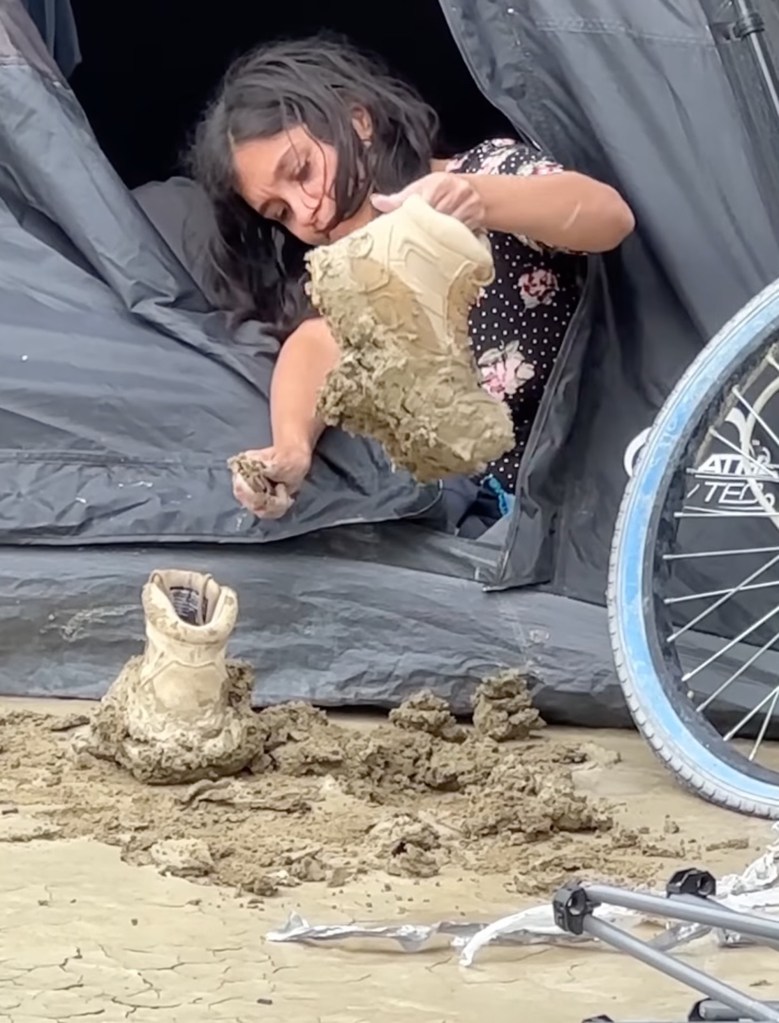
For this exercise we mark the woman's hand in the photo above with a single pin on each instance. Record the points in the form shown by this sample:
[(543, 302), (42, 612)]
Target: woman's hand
[(448, 193), (271, 480)]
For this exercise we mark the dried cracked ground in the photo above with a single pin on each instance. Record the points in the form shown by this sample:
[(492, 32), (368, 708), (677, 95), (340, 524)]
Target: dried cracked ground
[(103, 930)]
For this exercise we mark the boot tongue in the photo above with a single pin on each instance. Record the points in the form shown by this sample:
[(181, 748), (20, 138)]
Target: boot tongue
[(189, 604), (189, 596)]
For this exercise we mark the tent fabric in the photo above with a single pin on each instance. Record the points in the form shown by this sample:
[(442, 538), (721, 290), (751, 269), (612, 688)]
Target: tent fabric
[(341, 619), (637, 94), (358, 616), (122, 394), (182, 215), (56, 24)]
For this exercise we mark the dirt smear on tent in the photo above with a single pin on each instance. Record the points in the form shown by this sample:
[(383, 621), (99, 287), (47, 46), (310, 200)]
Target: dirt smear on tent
[(409, 797)]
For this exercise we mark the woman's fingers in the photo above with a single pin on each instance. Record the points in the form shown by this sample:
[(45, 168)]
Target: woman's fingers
[(278, 504), (244, 494), (273, 504)]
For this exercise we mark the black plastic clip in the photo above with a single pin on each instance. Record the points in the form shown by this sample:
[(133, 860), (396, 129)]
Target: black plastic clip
[(571, 906), (692, 882)]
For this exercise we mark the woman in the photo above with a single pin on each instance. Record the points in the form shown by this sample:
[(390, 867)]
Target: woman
[(308, 141)]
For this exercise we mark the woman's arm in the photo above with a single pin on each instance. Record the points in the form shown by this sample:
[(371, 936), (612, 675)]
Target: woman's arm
[(566, 210), (507, 186), (305, 360)]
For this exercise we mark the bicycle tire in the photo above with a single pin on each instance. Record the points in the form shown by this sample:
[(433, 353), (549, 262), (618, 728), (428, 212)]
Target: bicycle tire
[(678, 735)]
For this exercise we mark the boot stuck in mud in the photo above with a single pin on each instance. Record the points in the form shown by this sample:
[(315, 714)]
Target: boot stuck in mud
[(181, 711), (396, 296)]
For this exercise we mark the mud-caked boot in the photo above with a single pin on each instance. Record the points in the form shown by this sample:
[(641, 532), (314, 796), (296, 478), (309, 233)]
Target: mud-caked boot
[(397, 296), (181, 711)]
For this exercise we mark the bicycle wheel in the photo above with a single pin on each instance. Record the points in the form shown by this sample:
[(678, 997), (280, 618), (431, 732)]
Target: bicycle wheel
[(693, 592)]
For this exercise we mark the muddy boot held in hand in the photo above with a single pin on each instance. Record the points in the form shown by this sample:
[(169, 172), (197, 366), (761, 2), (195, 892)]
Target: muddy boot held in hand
[(181, 711), (396, 296)]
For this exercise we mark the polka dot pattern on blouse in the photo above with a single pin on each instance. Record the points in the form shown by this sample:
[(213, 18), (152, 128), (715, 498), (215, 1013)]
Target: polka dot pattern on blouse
[(519, 322)]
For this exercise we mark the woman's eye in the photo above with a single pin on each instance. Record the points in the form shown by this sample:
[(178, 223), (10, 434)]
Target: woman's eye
[(304, 171)]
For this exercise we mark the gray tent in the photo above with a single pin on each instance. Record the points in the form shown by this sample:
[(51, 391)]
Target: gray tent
[(122, 393)]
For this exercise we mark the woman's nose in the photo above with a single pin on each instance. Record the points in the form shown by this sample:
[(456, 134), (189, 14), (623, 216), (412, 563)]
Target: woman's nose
[(305, 209)]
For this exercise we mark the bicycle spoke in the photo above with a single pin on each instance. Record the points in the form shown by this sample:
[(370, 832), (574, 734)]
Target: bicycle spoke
[(739, 452), (720, 554), (670, 601), (704, 513), (718, 603), (738, 673), (729, 646), (750, 409), (764, 727), (750, 714)]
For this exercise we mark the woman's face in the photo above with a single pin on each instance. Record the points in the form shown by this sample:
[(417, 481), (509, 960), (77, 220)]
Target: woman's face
[(290, 178)]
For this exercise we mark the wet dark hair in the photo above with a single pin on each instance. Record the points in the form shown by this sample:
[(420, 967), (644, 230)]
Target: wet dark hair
[(257, 267)]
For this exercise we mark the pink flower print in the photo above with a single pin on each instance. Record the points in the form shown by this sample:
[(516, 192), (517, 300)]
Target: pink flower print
[(492, 164), (544, 166), (489, 164), (538, 287), (456, 163), (504, 371), (480, 297), (538, 167)]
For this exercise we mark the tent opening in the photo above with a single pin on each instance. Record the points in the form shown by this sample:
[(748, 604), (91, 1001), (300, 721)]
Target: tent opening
[(144, 80)]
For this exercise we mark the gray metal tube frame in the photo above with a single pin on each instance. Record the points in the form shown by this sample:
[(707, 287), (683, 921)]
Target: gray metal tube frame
[(689, 909), (736, 921), (744, 1006), (715, 1012)]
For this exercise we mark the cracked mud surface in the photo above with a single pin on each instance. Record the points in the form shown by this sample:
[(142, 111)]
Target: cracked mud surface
[(396, 296), (86, 935)]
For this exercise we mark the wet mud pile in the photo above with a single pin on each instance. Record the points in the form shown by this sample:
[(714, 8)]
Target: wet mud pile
[(221, 737), (413, 796), (397, 296)]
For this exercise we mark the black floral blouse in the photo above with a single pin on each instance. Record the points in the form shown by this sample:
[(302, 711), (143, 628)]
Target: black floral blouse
[(520, 320)]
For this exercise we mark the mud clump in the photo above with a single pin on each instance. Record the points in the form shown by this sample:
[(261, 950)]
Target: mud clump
[(503, 708), (323, 803), (299, 741), (426, 712), (407, 847), (182, 857), (396, 296), (462, 767), (523, 802), (275, 497)]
